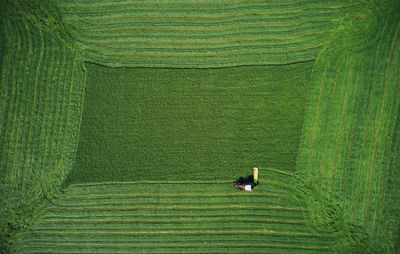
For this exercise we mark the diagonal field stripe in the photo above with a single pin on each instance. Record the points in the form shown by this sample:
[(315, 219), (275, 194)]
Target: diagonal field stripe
[(378, 131), (31, 117), (316, 120), (321, 168), (355, 121), (371, 99), (341, 123)]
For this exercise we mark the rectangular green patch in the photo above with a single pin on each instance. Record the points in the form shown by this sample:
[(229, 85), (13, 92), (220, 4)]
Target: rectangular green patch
[(184, 124)]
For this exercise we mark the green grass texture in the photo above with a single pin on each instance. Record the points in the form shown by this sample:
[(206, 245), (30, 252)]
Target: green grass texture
[(177, 217), (202, 34), (41, 95), (186, 124), (152, 108), (350, 141)]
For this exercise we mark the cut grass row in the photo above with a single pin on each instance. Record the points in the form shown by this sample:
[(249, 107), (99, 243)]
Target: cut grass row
[(193, 227), (277, 6), (348, 139), (27, 166), (109, 32), (41, 97)]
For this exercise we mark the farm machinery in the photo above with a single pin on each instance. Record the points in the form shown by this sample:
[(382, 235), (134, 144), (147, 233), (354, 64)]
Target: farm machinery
[(247, 183)]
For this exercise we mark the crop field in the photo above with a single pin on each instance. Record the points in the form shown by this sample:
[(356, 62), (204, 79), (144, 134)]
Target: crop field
[(190, 121), (166, 217), (202, 33), (123, 125), (350, 145)]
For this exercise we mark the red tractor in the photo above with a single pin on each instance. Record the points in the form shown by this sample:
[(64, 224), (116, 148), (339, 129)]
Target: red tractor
[(247, 183)]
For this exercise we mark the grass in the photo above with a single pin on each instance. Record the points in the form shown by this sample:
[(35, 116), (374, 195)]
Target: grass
[(202, 34), (187, 124), (349, 136), (40, 108), (164, 217), (159, 144)]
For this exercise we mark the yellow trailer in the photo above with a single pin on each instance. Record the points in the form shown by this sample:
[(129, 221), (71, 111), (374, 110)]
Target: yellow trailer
[(255, 174)]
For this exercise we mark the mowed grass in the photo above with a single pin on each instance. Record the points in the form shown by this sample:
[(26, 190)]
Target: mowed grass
[(41, 94), (202, 34), (183, 124), (175, 139), (350, 142), (168, 217)]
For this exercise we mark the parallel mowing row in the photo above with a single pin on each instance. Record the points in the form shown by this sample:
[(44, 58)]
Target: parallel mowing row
[(41, 98), (202, 34), (350, 141), (175, 218)]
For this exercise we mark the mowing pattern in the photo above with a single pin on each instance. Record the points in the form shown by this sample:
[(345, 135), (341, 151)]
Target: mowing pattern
[(350, 143), (349, 150), (202, 33), (40, 98), (164, 217)]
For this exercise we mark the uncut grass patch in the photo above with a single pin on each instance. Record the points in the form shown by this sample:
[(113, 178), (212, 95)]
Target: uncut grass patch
[(189, 124)]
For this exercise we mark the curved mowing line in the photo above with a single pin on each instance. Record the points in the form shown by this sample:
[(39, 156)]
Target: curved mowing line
[(200, 42), (48, 78), (371, 99), (341, 122), (382, 195), (10, 114), (321, 168), (305, 107), (395, 197), (19, 115), (227, 10), (32, 58), (66, 79), (4, 69), (71, 86), (189, 50), (74, 8), (210, 17), (382, 192), (133, 233), (208, 40), (54, 100), (133, 208), (10, 172), (173, 195), (232, 239), (28, 32), (69, 101), (176, 227), (378, 131), (206, 29), (161, 195), (59, 105), (36, 141), (276, 171), (197, 202), (205, 55), (146, 182), (34, 104), (355, 120), (316, 119), (202, 245), (171, 220)]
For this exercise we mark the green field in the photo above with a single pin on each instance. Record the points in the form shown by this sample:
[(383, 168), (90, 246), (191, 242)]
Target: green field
[(189, 124), (124, 123), (167, 217)]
